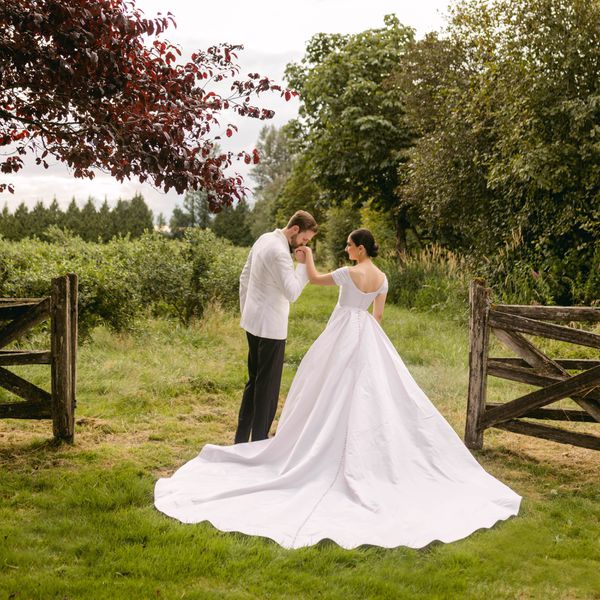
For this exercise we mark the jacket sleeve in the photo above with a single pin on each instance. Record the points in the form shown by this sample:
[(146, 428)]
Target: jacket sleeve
[(291, 281), (244, 278)]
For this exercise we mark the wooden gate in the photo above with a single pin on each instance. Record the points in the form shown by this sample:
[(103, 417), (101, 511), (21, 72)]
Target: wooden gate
[(532, 366), (22, 314)]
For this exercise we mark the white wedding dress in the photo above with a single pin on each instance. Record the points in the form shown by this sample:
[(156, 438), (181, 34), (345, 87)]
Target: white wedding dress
[(361, 456)]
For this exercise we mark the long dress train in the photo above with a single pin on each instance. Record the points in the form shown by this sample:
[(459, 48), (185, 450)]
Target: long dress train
[(361, 456)]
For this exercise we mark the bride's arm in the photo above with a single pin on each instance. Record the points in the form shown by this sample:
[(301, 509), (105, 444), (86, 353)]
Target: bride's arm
[(378, 305), (304, 254)]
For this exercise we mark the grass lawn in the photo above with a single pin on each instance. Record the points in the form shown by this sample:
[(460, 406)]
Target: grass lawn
[(78, 521)]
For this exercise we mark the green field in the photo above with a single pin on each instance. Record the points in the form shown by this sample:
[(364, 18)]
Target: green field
[(78, 521)]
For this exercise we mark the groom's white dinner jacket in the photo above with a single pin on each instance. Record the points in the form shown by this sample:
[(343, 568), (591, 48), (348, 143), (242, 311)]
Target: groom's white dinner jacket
[(268, 284)]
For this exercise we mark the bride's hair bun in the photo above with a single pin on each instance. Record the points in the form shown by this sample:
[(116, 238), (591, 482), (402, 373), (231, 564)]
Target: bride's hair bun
[(363, 237)]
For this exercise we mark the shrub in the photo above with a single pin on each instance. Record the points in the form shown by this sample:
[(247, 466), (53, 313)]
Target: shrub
[(124, 278), (433, 279)]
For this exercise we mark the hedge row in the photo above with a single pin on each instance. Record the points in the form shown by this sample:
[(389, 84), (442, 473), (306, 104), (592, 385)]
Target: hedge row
[(124, 278)]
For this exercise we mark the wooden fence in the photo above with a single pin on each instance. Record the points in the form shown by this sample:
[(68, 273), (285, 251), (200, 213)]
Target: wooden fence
[(532, 366), (19, 315)]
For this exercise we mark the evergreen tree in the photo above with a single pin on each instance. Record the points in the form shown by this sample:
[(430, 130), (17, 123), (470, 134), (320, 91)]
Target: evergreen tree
[(73, 218), (20, 228), (38, 220), (89, 221), (140, 217), (270, 175), (233, 224), (55, 214), (195, 213), (119, 216), (5, 221), (104, 222)]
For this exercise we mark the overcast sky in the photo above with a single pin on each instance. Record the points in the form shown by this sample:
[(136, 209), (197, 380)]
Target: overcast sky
[(273, 34)]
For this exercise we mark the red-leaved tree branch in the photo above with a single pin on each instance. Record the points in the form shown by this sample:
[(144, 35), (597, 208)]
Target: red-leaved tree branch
[(92, 84)]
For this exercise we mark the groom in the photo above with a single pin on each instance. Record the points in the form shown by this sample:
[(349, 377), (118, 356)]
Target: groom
[(268, 284)]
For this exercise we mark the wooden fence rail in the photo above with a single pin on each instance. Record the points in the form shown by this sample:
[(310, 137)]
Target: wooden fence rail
[(17, 317), (531, 366)]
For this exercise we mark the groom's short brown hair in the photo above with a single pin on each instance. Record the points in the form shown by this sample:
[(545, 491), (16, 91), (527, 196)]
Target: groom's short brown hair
[(304, 220)]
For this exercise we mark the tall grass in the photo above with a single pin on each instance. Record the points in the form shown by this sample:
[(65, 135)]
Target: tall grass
[(432, 279), (77, 522)]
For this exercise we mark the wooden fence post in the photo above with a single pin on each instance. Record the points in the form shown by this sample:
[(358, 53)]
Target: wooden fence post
[(479, 300), (74, 299), (63, 391)]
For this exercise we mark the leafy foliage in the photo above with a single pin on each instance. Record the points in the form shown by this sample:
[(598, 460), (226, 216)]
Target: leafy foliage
[(353, 129), (194, 213), (509, 150), (124, 278), (270, 175), (81, 84)]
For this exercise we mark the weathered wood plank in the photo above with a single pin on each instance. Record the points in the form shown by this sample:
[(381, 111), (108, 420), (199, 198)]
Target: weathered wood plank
[(562, 389), (555, 414), (537, 359), (8, 312), (505, 321), (26, 410), (20, 300), (62, 395), (521, 374), (555, 434), (22, 388), (34, 315), (574, 364), (479, 299), (527, 351), (552, 313), (531, 377), (25, 357)]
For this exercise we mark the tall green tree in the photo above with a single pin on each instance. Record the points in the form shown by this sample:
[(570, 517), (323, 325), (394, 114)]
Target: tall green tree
[(506, 165), (269, 175), (195, 212), (72, 219), (232, 223), (352, 119), (89, 221), (140, 217), (106, 227), (273, 147)]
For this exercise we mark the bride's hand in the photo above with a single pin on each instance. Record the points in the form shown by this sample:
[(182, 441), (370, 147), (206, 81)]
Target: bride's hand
[(302, 253)]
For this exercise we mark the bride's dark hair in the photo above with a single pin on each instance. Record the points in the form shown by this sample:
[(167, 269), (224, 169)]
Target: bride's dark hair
[(363, 237)]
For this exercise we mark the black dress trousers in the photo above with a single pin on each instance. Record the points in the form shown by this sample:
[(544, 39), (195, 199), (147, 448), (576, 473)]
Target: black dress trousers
[(259, 402)]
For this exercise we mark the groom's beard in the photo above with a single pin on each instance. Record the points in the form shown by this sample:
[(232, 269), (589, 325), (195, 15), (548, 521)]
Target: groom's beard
[(294, 243)]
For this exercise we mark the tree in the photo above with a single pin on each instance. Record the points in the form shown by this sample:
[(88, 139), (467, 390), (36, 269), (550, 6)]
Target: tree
[(20, 222), (89, 221), (72, 220), (507, 164), (194, 213), (105, 222), (140, 217), (38, 219), (232, 224), (270, 175), (80, 83), (6, 222), (352, 118)]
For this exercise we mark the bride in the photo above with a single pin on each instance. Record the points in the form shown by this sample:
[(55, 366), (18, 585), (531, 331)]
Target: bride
[(361, 456)]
